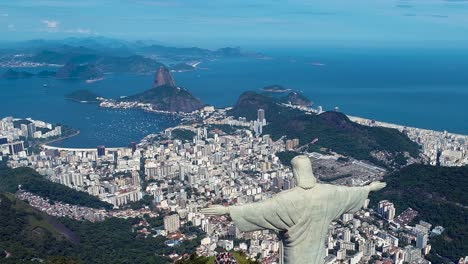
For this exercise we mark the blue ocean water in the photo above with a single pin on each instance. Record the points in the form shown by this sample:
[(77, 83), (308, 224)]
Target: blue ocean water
[(98, 126), (421, 88)]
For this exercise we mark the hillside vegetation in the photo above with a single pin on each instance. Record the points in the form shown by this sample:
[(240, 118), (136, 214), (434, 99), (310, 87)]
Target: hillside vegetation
[(333, 130), (439, 195), (26, 233), (30, 236), (33, 182)]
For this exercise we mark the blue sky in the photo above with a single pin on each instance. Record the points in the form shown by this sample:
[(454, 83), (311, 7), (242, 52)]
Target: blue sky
[(253, 23)]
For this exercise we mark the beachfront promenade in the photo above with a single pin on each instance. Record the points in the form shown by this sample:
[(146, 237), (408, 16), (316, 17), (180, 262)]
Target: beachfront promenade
[(79, 149)]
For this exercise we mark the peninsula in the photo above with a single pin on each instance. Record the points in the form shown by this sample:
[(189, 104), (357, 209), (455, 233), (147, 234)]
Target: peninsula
[(164, 96)]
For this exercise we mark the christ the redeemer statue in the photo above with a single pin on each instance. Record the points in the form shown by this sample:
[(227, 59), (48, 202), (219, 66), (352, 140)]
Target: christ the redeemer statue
[(301, 215)]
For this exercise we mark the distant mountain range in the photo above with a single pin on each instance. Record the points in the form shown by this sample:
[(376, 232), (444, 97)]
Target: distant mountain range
[(119, 46), (95, 56), (12, 74), (122, 48), (69, 71)]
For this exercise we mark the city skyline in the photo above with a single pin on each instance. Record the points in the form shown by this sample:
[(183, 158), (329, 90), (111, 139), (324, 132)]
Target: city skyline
[(262, 131)]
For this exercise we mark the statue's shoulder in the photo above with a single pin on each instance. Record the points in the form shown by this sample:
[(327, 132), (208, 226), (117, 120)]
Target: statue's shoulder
[(291, 194), (322, 190)]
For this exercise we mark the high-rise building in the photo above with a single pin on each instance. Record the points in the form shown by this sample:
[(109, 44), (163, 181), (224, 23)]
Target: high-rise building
[(421, 240), (65, 179), (15, 147), (101, 151), (3, 141), (347, 217), (387, 210), (77, 179), (133, 146), (24, 130), (347, 245), (412, 254), (292, 143), (181, 173), (261, 116), (257, 127), (347, 235), (369, 248), (171, 223), (31, 130), (341, 254)]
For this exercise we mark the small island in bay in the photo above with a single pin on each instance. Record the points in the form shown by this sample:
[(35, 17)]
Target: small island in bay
[(182, 67), (275, 89), (46, 74), (12, 74), (79, 71), (83, 96)]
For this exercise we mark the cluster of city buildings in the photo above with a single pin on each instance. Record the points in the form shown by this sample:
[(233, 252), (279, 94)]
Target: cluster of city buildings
[(14, 131), (59, 209), (369, 234), (441, 148), (112, 174), (182, 176), (110, 103)]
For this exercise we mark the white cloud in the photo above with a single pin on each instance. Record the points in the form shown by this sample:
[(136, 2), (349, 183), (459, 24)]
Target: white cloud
[(11, 27), (3, 15), (51, 24), (80, 31)]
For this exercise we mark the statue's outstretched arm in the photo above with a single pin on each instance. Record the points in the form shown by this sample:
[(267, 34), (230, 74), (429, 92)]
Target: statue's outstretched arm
[(267, 214), (215, 210), (376, 186)]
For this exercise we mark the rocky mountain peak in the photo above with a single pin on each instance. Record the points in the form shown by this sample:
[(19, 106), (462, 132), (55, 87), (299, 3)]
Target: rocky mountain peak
[(163, 78)]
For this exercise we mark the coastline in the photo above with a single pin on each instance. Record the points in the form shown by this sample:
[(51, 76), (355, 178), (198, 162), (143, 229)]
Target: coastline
[(60, 138), (109, 103), (366, 121), (106, 103)]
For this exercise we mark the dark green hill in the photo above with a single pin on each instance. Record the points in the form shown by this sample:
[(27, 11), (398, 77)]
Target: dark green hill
[(168, 98), (26, 233), (333, 130), (12, 74), (33, 182), (249, 102), (79, 71), (83, 96), (132, 64), (296, 98), (439, 195)]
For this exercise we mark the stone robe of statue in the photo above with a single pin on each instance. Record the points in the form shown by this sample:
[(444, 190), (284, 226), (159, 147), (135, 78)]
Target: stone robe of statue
[(301, 215)]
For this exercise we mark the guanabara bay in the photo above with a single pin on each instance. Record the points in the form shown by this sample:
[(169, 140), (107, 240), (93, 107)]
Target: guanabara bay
[(233, 132)]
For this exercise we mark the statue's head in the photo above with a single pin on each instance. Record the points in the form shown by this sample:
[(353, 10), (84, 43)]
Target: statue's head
[(302, 170)]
